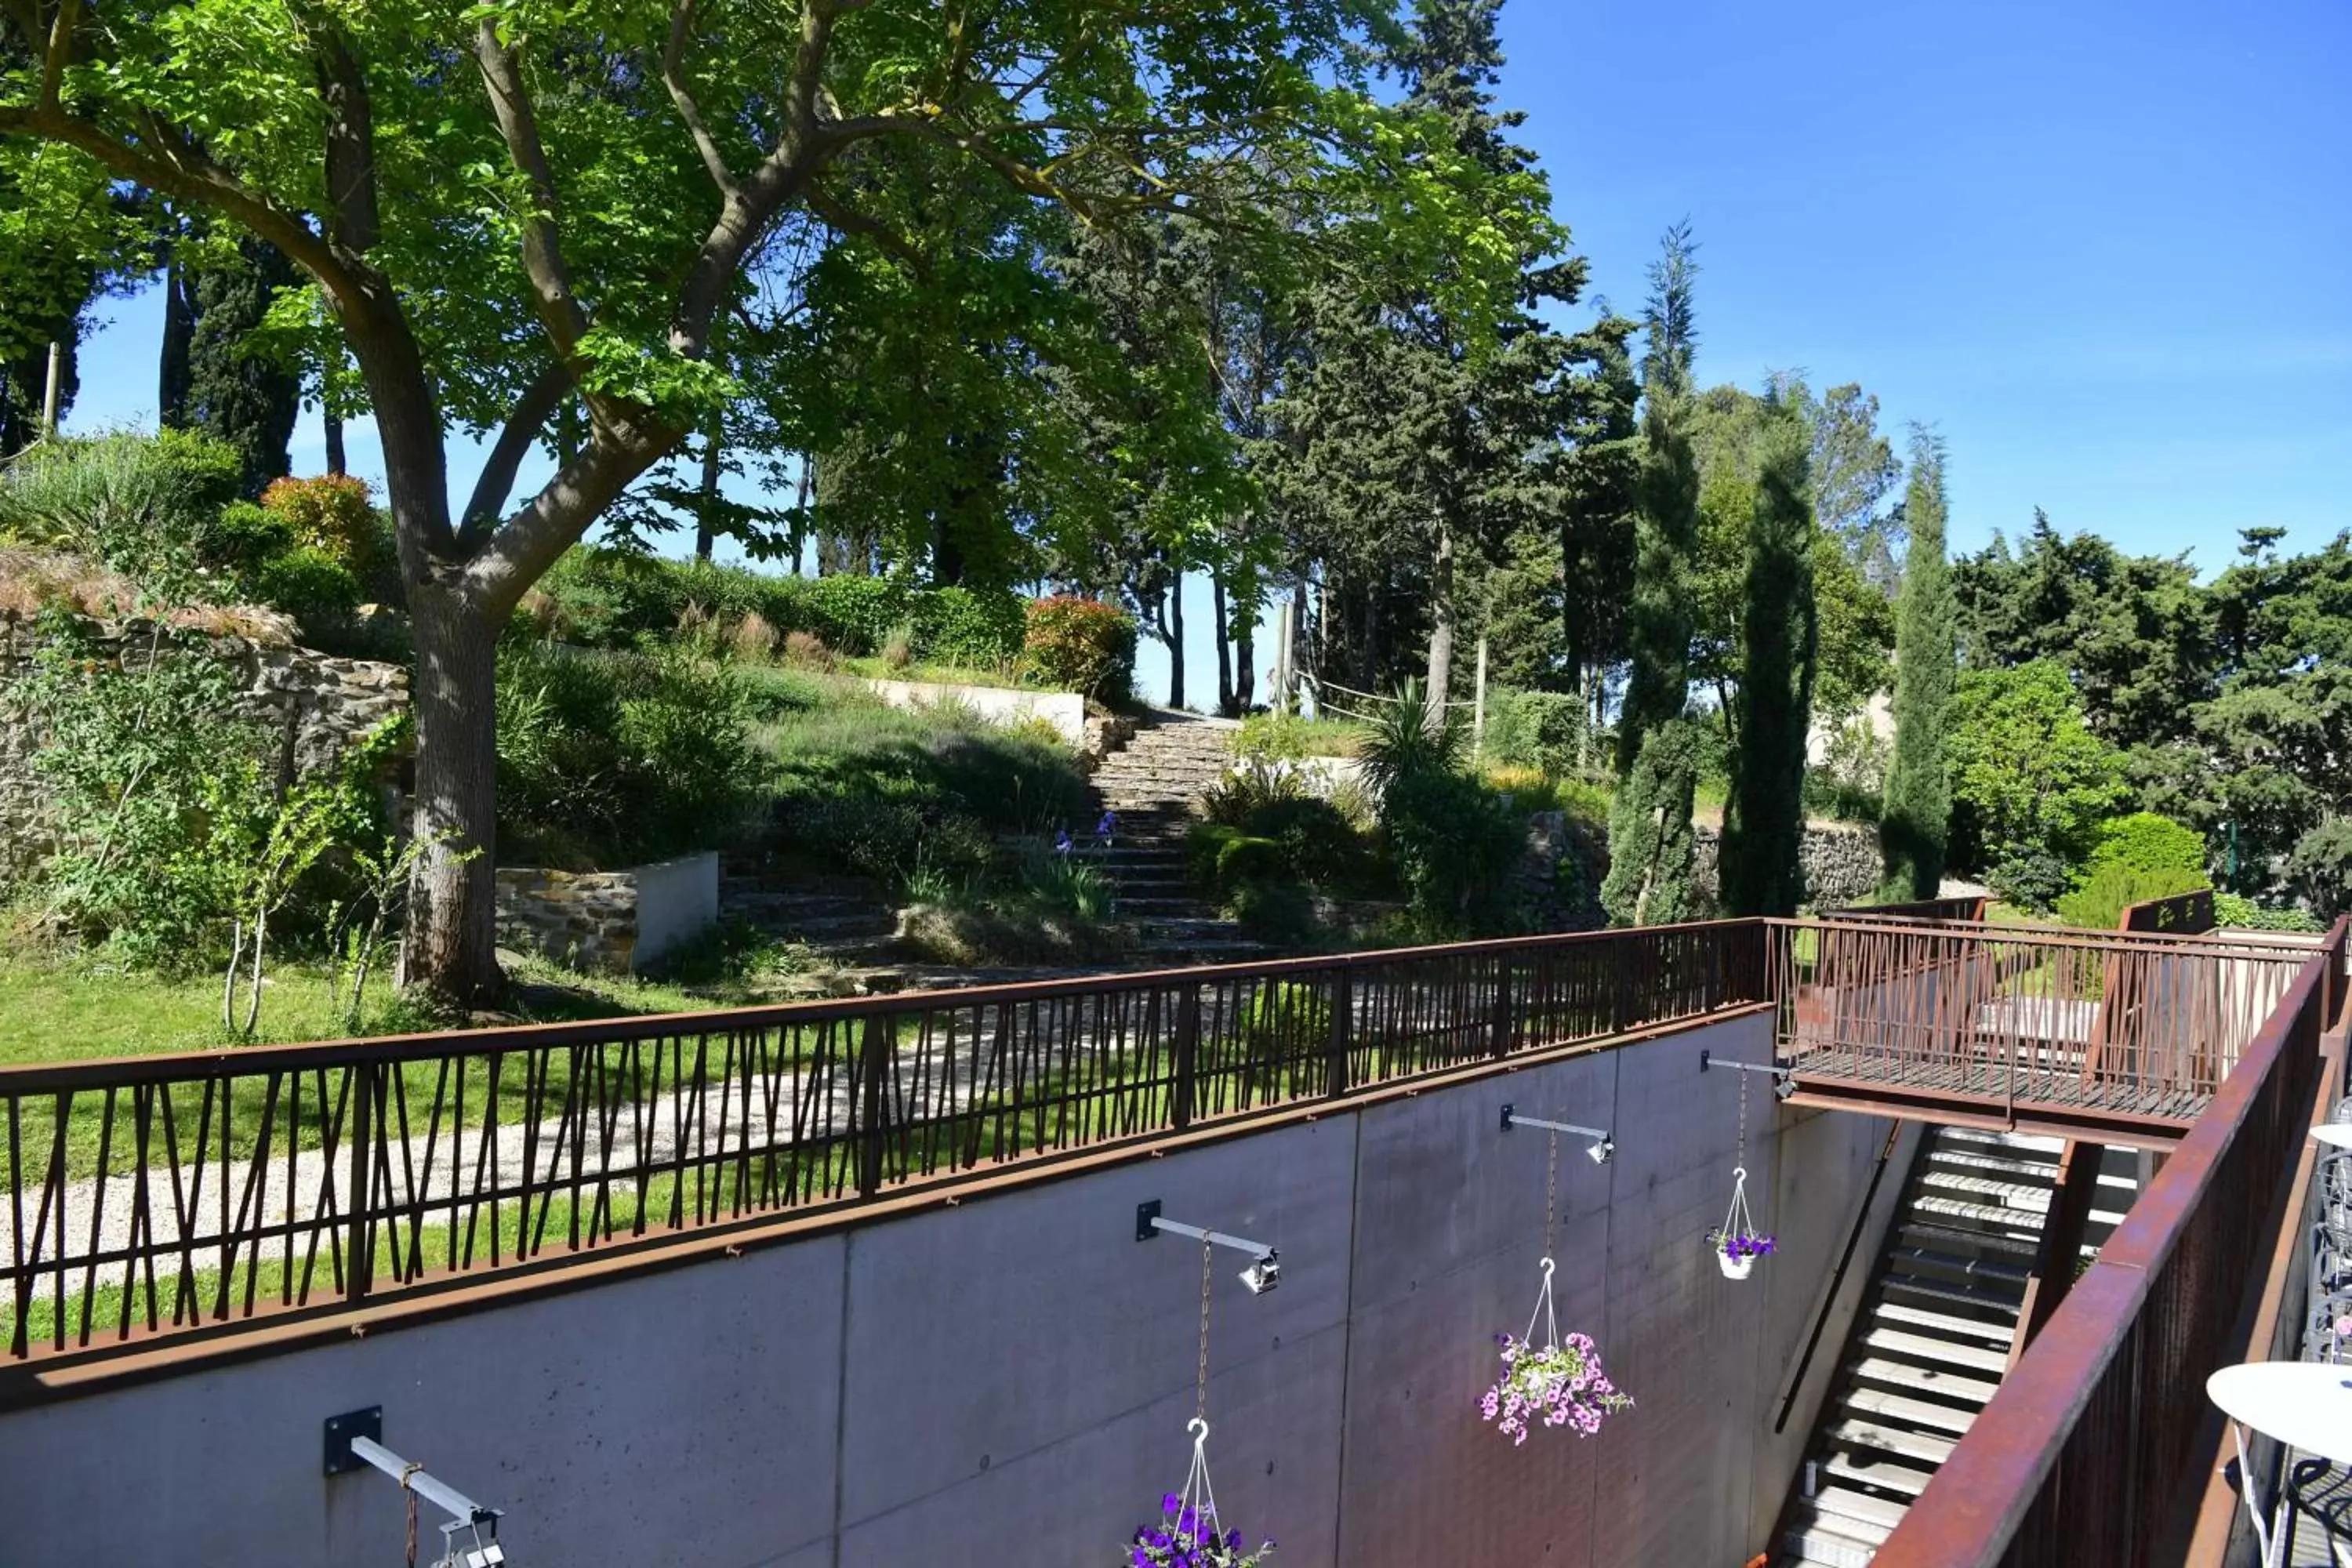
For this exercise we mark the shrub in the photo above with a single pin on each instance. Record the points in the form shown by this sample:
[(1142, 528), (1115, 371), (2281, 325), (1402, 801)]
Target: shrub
[(1288, 1017), (1244, 790), (806, 650), (2112, 887), (898, 647), (1224, 858), (1280, 914), (318, 590), (2146, 841), (1406, 737), (753, 638), (330, 515), (1539, 730), (1453, 843), (959, 626), (142, 505), (1319, 846), (1841, 799), (2232, 910), (1081, 645), (2029, 877), (608, 759), (1288, 737)]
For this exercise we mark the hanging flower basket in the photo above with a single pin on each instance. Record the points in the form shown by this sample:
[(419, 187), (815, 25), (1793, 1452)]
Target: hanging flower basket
[(1738, 1244), (1557, 1383), (1190, 1534)]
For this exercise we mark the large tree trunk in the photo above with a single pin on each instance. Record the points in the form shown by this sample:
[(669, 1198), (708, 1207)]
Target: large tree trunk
[(451, 943), (1217, 607), (1440, 625), (1176, 641), (704, 538)]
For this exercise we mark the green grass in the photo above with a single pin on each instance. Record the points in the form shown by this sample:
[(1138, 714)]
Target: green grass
[(1286, 736)]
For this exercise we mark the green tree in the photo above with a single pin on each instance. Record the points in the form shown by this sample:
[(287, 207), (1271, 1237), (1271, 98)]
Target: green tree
[(1650, 843), (1763, 830), (1913, 833), (2031, 783), (230, 386), (525, 214)]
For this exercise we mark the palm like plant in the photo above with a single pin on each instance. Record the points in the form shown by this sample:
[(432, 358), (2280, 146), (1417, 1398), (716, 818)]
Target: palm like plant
[(1410, 734)]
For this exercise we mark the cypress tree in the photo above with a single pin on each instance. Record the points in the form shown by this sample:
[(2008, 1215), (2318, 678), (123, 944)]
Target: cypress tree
[(1912, 829), (1649, 879), (1763, 831), (245, 397)]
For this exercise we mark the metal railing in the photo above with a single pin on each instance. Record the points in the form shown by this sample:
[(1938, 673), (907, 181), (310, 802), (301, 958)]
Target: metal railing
[(148, 1195), (2184, 915), (2081, 1457), (1969, 908), (2016, 1018)]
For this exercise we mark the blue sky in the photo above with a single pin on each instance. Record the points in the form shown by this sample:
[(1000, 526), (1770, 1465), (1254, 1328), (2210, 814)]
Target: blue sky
[(2106, 249)]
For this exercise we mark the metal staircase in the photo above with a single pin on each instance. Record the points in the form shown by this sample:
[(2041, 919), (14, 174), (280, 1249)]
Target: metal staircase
[(1934, 1335)]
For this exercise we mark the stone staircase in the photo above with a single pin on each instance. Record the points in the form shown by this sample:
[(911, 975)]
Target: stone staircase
[(1933, 1337), (1153, 783)]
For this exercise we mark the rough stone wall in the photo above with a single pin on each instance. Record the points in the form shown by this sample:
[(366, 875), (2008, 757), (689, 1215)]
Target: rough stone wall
[(320, 707), (587, 920), (1841, 863)]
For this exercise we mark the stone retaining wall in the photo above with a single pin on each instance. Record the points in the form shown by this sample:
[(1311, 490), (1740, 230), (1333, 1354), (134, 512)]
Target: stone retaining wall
[(320, 707), (614, 922), (1840, 862)]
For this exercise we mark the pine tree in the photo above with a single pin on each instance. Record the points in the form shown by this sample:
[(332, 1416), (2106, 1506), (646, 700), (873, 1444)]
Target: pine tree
[(1650, 846), (1763, 830), (1911, 832)]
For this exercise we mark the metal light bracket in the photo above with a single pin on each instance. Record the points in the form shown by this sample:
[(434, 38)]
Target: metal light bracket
[(1783, 1079), (354, 1442), (1264, 1271), (1604, 1145)]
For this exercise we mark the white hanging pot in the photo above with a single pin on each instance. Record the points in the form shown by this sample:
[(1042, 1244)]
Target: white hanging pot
[(1734, 1267)]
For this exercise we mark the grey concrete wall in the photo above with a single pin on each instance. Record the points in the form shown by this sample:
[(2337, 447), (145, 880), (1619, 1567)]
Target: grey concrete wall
[(1009, 1380), (677, 901)]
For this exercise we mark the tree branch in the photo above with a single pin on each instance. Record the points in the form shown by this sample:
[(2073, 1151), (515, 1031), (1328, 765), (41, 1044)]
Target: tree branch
[(350, 145), (528, 543), (849, 220), (516, 438), (53, 63), (681, 25), (542, 248)]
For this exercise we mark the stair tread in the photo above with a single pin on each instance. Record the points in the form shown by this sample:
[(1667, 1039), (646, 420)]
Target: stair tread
[(1858, 1432), (1817, 1536), (2021, 1197), (2002, 1163), (1878, 1403), (1931, 1207), (1943, 1383), (1983, 1136), (1927, 1347), (1928, 1229), (1945, 1323), (1953, 1294), (1990, 1270), (1888, 1475), (1859, 1507)]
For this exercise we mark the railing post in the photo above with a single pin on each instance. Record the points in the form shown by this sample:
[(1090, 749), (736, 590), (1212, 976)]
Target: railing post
[(1499, 1025), (360, 1128), (872, 1077), (1188, 1055), (1335, 1065)]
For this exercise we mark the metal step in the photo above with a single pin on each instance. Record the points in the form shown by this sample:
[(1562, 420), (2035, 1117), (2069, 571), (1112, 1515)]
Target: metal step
[(1860, 1508), (1914, 1380), (1936, 1208), (1941, 1261), (1959, 1241), (1898, 1344), (1892, 1439), (1818, 1539), (1999, 1166), (1943, 1323), (1873, 1470), (2020, 1197), (1945, 1296), (1878, 1405)]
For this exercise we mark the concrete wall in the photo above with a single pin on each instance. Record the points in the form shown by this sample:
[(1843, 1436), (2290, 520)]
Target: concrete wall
[(1018, 1370), (1064, 710)]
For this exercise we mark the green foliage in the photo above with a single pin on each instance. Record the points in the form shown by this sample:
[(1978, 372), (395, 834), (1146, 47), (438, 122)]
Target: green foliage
[(2320, 867), (1076, 644), (957, 626), (1410, 734), (144, 505), (610, 759), (1248, 787), (2145, 841), (1650, 845), (1914, 835), (1289, 737), (1539, 730), (1453, 843), (1666, 524), (314, 587), (2234, 910), (1763, 829), (1224, 860), (239, 390), (332, 514), (2113, 886), (2028, 775)]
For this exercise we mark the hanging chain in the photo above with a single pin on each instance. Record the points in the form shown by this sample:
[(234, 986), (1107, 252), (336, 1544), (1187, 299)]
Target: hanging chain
[(1201, 1376), (1552, 1185), (1741, 1147)]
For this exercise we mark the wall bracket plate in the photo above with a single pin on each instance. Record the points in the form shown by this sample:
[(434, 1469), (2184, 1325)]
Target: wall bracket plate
[(341, 1429), (1144, 1215)]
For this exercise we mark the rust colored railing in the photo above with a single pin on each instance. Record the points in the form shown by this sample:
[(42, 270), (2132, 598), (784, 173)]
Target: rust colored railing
[(1969, 908), (146, 1195), (2021, 1020), (2184, 915), (2081, 1456)]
